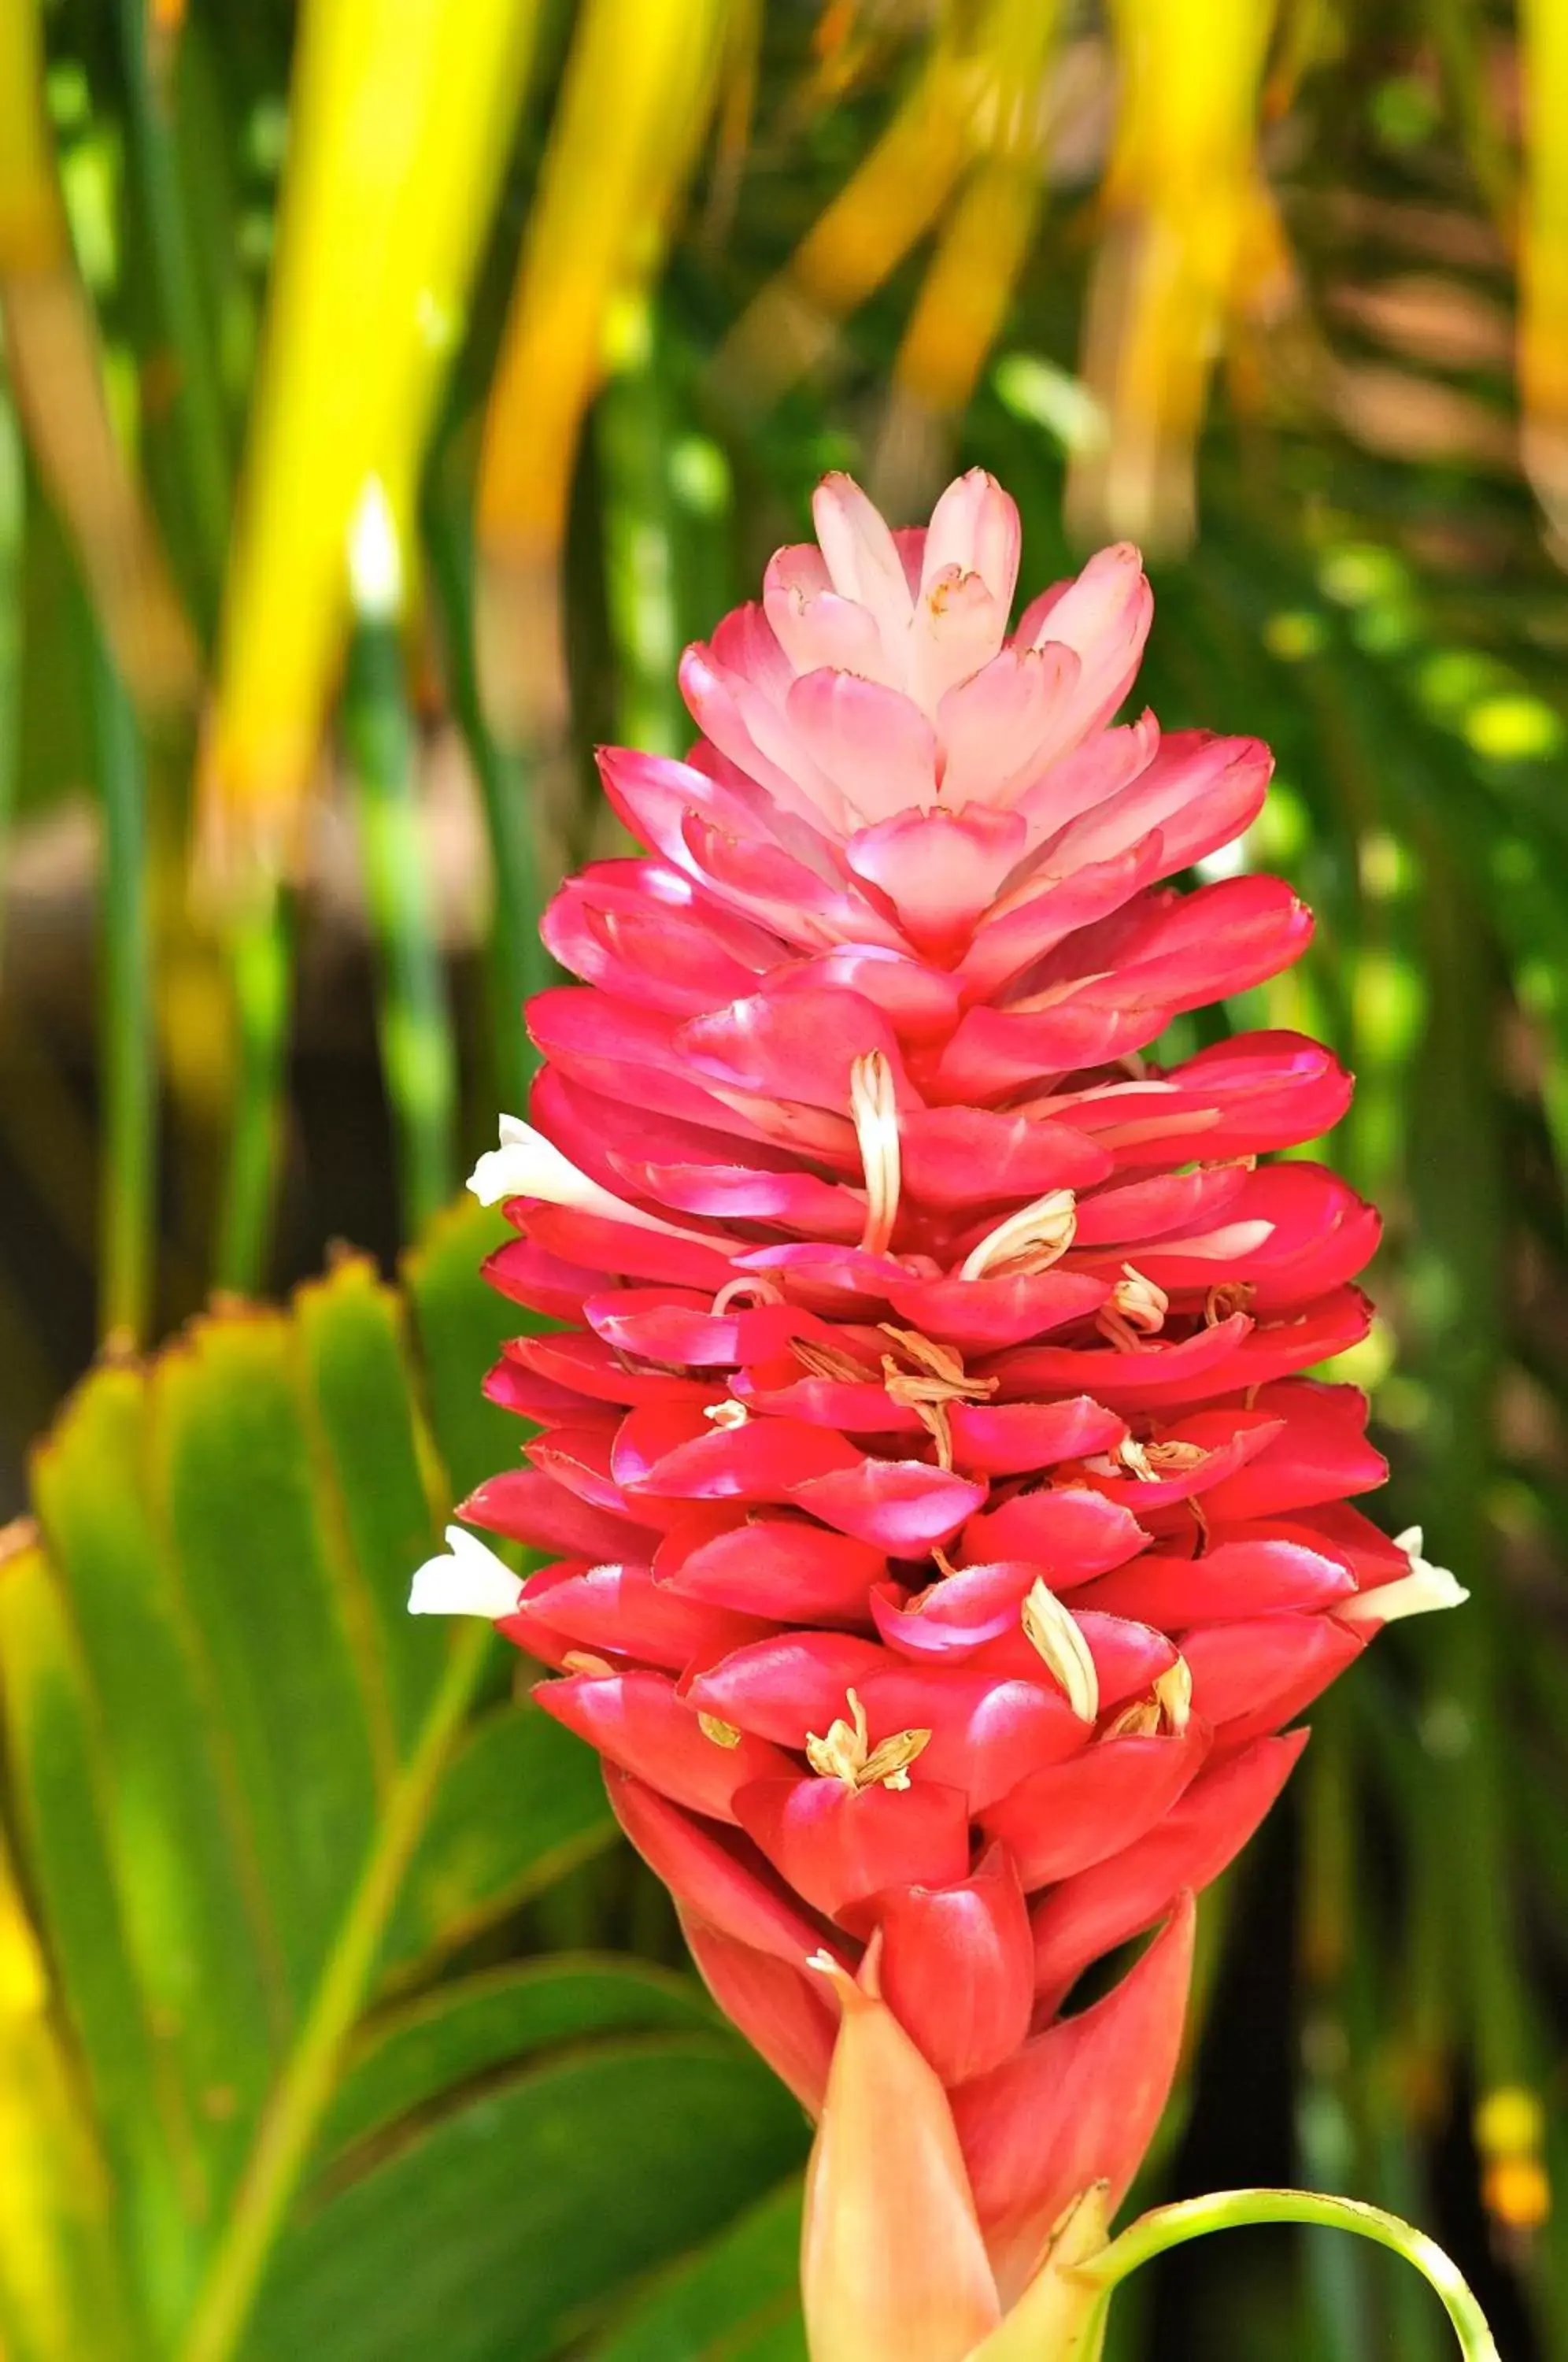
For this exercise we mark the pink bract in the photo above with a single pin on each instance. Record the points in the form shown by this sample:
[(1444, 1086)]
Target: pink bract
[(944, 1528)]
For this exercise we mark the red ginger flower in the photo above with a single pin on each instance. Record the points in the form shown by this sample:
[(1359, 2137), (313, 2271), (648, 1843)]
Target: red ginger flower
[(946, 1529)]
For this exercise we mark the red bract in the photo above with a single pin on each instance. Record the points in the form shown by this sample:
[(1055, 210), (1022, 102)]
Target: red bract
[(946, 1522)]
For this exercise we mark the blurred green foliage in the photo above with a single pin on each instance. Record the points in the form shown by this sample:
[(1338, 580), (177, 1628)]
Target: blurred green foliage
[(269, 1857)]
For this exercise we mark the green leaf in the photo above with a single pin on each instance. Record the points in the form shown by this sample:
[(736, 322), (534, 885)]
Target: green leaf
[(62, 2284), (522, 1802), (230, 1428), (738, 2301), (461, 1328), (353, 1351), (502, 2226), (256, 1811), (151, 2146), (173, 1827), (411, 2055)]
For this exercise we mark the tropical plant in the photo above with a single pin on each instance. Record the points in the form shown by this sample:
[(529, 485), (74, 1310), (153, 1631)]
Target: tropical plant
[(591, 296)]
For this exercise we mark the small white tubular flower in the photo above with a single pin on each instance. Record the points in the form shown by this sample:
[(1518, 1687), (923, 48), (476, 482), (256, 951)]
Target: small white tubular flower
[(466, 1579), (375, 560), (1417, 1594), (526, 1164)]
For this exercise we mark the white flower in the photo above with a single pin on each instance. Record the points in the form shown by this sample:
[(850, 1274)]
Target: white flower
[(1424, 1588), (375, 560), (466, 1579), (526, 1164)]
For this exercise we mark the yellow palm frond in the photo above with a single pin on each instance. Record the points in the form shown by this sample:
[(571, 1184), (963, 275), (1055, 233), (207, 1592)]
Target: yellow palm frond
[(401, 112), (1189, 231), (638, 85)]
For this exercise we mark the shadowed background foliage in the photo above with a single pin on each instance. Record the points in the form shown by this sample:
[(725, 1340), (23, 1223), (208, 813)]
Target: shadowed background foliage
[(388, 390)]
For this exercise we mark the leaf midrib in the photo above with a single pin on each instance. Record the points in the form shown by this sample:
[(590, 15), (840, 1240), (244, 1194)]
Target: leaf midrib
[(285, 2136)]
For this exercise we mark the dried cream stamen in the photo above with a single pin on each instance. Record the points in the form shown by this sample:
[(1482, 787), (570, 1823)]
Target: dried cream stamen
[(1168, 1707), (1140, 1720), (831, 1361), (726, 1414), (1173, 1693), (1229, 1297), (847, 1754), (937, 1379), (1034, 1238), (939, 1364), (749, 1290), (1151, 1463), (874, 1107), (1054, 1633), (722, 1734), (1136, 1310)]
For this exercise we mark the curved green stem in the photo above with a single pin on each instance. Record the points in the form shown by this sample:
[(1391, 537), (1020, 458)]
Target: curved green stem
[(1225, 2210), (204, 438), (517, 963), (262, 980), (413, 1013), (129, 1200)]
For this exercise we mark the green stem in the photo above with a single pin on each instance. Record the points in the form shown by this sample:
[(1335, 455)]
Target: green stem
[(289, 2128), (257, 946), (13, 526), (639, 556), (516, 963), (414, 1020), (1226, 2209), (260, 974), (1327, 2118), (127, 1214), (203, 436)]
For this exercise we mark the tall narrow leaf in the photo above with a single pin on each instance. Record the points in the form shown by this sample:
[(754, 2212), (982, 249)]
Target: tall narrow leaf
[(1543, 255), (638, 83), (55, 363), (1188, 225), (401, 115)]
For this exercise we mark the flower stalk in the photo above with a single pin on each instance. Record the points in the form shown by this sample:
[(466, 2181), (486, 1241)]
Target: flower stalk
[(1164, 2227)]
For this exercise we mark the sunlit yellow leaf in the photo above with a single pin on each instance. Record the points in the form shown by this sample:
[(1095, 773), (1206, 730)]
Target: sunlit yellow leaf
[(887, 205), (973, 98), (638, 84), (400, 114), (1543, 256), (980, 252), (56, 365), (1190, 234), (32, 222), (59, 2290)]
